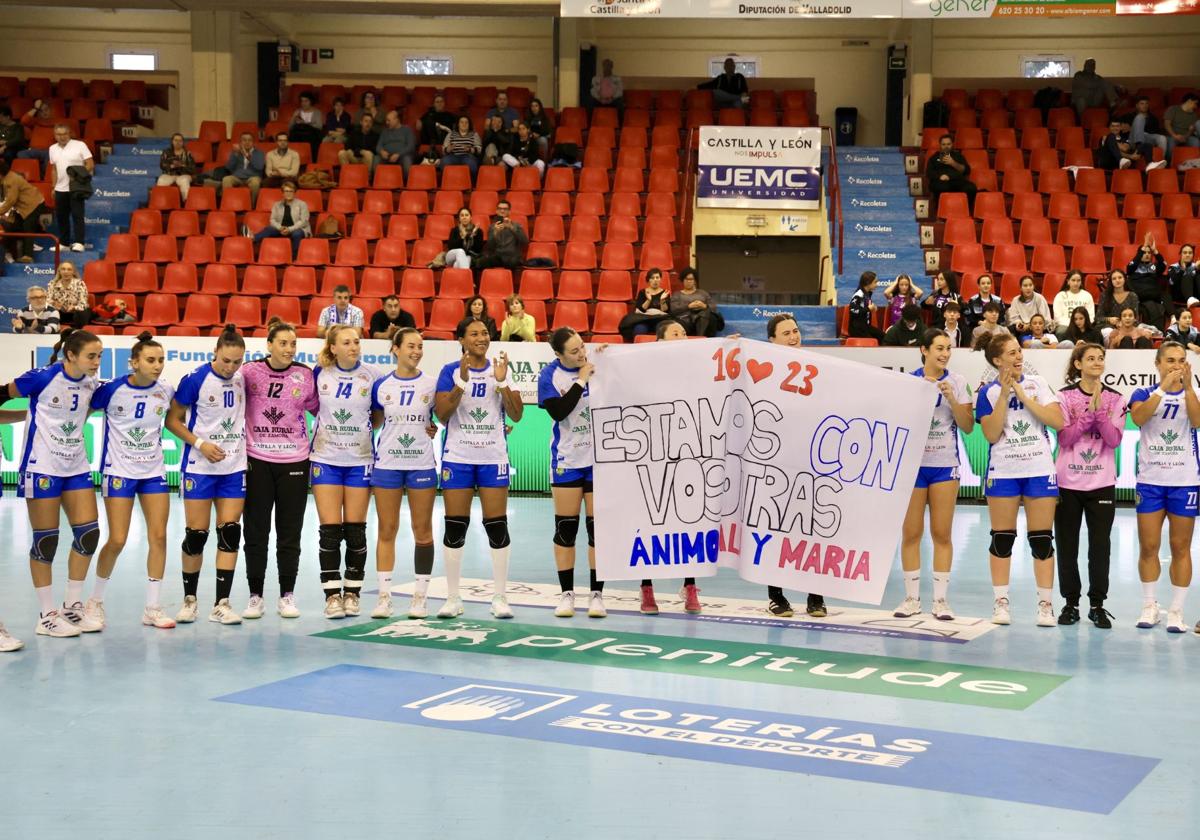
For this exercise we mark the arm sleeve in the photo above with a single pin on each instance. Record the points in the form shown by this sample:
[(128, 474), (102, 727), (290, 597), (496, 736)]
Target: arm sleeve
[(1138, 396), (446, 379), (31, 383), (102, 396), (1075, 426), (188, 390), (1112, 429), (983, 404), (560, 407)]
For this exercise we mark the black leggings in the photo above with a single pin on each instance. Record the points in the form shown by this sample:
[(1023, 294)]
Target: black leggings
[(284, 488), (1098, 509)]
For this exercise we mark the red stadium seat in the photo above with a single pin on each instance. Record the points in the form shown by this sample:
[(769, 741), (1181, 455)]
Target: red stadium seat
[(1050, 258), (608, 315), (585, 229), (377, 282), (139, 277), (145, 222), (496, 282), (403, 226), (561, 179), (160, 310), (654, 255), (259, 280), (202, 310), (164, 198), (574, 285), (1008, 259), (1187, 232), (298, 281), (417, 283), (625, 204), (1017, 181), (287, 309), (377, 201), (1008, 158), (416, 309), (390, 253), (1176, 205), (582, 255), (334, 276), (1138, 206), (968, 259), (622, 229), (1101, 206), (219, 279), (538, 284), (995, 232), (529, 179), (1091, 181), (237, 250), (589, 204), (1089, 259), (183, 223), (1053, 181), (489, 178), (456, 283), (1072, 232), (660, 204), (1035, 232), (1027, 205), (614, 286), (100, 276), (989, 206), (1063, 206), (389, 177), (549, 229), (625, 180), (1125, 181), (275, 251), (1156, 228), (244, 311), (313, 252), (1111, 233), (445, 314), (180, 279), (160, 249), (423, 252), (413, 202), (199, 249), (235, 199), (367, 226), (438, 226), (221, 224), (350, 252), (571, 313)]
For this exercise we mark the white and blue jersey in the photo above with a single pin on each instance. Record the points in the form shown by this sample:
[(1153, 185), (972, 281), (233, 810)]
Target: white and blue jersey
[(1023, 450), (941, 446), (475, 431), (343, 431), (407, 406), (133, 424), (58, 411), (571, 439), (1167, 451), (216, 411)]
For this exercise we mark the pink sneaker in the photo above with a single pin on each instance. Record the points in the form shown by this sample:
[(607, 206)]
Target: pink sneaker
[(691, 599), (649, 605)]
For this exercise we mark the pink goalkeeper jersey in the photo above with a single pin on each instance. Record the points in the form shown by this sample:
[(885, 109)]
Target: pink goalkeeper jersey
[(276, 402), (1087, 444)]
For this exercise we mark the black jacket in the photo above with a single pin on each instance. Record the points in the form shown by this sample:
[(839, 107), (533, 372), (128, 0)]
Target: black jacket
[(80, 181), (473, 244)]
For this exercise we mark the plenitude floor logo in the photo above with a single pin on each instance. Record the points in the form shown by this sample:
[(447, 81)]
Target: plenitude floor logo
[(801, 667)]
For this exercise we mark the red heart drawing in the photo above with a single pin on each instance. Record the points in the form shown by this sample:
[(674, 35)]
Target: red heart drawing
[(759, 370)]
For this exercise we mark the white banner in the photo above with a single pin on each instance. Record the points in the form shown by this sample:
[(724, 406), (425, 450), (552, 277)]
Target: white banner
[(792, 467), (741, 9), (775, 168)]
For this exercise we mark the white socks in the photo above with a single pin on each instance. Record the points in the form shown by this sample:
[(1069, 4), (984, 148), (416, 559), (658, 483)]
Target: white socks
[(385, 582), (422, 586), (74, 591), (1148, 587), (1045, 593), (453, 560), (1178, 593), (941, 584), (153, 590), (98, 589), (999, 592), (500, 568), (45, 596), (912, 584)]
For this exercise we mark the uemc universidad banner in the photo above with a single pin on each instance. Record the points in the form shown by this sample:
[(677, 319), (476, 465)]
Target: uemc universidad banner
[(791, 467), (776, 168)]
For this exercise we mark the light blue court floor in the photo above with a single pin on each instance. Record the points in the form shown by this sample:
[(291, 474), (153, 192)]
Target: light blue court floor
[(629, 727)]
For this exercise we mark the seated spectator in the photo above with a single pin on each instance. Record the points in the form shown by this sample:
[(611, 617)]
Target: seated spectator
[(397, 143), (306, 123), (342, 312), (115, 311), (908, 331), (1038, 337), (862, 308), (945, 290), (245, 167), (524, 151), (497, 140), (1179, 123), (1128, 334), (899, 293), (41, 114), (1145, 274), (1115, 296), (386, 322), (519, 324), (1071, 297), (607, 89), (462, 146), (989, 326), (729, 89), (973, 309), (475, 309), (502, 109), (694, 307), (281, 163), (1081, 329), (69, 295), (1183, 280), (1091, 90), (368, 105), (1144, 126), (21, 210), (37, 318), (1024, 306), (651, 305), (12, 135), (1181, 331), (783, 329), (361, 141), (506, 241), (67, 160), (947, 171), (952, 315), (437, 122), (540, 125), (177, 166), (1118, 151), (290, 218), (465, 243), (337, 122)]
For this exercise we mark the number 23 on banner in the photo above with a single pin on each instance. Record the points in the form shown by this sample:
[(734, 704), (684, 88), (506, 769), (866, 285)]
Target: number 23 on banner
[(729, 367)]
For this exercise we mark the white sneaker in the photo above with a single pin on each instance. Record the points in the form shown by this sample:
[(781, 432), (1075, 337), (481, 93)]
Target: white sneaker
[(1151, 615), (224, 613), (908, 607), (255, 607), (1175, 623), (452, 607), (94, 610), (77, 615), (942, 611), (334, 607), (418, 607), (37, 248), (8, 642), (53, 624), (500, 607), (155, 617), (1045, 614), (383, 606), (596, 608), (1000, 614), (1125, 163), (287, 607), (188, 612), (350, 604), (78, 247), (1158, 164), (566, 606)]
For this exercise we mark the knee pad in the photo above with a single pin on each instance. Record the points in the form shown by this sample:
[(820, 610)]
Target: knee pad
[(590, 522), (1041, 544), (1002, 543), (45, 545), (87, 537), (566, 529), (356, 538), (229, 537), (497, 531), (330, 538), (194, 541), (455, 535)]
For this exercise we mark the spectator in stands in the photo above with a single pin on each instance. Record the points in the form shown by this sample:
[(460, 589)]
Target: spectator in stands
[(462, 146), (1179, 122), (899, 294), (21, 210), (1144, 126), (41, 114), (342, 312), (952, 313), (1118, 151), (337, 122), (69, 295), (945, 289), (1183, 279), (651, 305), (369, 104), (908, 331), (1145, 275), (729, 89), (177, 166), (524, 150), (437, 122), (502, 109), (540, 125), (475, 309), (289, 218), (506, 241), (607, 89), (1024, 306), (465, 243), (973, 310), (497, 140), (397, 143), (387, 321), (66, 154), (694, 307), (1128, 334), (1081, 329), (518, 325), (245, 167), (1115, 296), (361, 140), (12, 135), (862, 308), (783, 329), (1181, 331), (1091, 90), (282, 164), (306, 123), (948, 171), (37, 318), (989, 326), (1071, 297), (1039, 337)]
